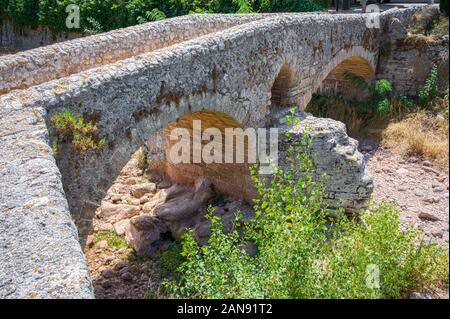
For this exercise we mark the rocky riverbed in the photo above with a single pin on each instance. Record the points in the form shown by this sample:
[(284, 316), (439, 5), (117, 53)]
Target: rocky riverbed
[(418, 187)]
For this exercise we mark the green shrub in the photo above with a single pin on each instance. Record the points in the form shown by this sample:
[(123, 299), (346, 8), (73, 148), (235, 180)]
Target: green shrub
[(306, 251), (103, 15), (75, 130), (429, 91), (289, 6), (380, 90)]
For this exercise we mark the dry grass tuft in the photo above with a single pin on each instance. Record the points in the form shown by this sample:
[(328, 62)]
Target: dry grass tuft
[(421, 22), (420, 134), (419, 41)]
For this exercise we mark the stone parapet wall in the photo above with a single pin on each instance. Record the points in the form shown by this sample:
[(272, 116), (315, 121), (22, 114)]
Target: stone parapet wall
[(19, 37), (40, 256), (47, 63)]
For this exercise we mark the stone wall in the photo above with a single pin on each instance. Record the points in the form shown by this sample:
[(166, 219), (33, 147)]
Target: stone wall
[(18, 38), (47, 63), (407, 59), (40, 255)]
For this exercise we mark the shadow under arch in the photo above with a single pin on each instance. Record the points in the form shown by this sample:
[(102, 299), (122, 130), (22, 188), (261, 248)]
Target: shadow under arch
[(284, 90), (230, 179), (336, 83)]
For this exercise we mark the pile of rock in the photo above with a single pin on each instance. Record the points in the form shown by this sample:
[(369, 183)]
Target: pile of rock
[(150, 215)]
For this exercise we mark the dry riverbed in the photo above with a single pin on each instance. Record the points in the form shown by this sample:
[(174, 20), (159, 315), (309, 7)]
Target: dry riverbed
[(418, 187)]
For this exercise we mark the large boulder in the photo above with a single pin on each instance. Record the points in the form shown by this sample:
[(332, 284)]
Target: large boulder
[(170, 212), (143, 233), (116, 212), (347, 182)]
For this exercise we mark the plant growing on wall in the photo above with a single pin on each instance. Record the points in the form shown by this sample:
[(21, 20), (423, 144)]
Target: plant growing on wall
[(76, 131), (429, 90), (380, 91)]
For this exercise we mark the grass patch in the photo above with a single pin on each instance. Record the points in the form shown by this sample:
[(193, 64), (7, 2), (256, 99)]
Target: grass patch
[(422, 134), (113, 240), (141, 159), (421, 23), (171, 258), (348, 112)]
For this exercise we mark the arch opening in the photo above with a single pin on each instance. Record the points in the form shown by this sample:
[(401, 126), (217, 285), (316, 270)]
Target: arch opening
[(337, 83), (230, 179), (284, 90), (154, 200)]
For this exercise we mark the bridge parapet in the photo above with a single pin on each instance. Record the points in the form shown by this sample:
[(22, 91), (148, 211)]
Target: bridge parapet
[(36, 66)]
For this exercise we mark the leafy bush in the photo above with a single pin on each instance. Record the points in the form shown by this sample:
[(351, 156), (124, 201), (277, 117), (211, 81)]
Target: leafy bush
[(75, 130), (380, 91), (289, 5), (304, 250), (103, 15)]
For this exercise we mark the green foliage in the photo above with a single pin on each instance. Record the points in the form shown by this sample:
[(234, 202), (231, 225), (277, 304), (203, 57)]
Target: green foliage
[(113, 240), (171, 258), (357, 80), (429, 91), (405, 101), (74, 129), (380, 91), (381, 88), (303, 249), (290, 5), (103, 15), (443, 6), (55, 148)]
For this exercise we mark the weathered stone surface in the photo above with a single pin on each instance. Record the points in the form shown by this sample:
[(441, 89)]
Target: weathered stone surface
[(121, 226), (142, 232), (407, 58), (40, 256), (347, 182), (140, 190), (117, 212), (29, 67)]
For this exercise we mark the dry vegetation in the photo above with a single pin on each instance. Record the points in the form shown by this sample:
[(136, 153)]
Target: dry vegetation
[(420, 134)]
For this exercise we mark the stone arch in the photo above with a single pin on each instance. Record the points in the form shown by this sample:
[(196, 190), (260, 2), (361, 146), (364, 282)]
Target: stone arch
[(357, 61), (284, 88), (231, 179)]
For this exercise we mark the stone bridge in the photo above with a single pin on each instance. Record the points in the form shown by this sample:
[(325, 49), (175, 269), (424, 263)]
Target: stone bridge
[(131, 83)]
